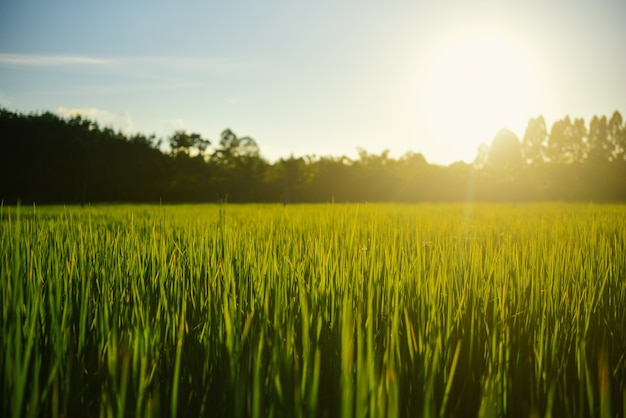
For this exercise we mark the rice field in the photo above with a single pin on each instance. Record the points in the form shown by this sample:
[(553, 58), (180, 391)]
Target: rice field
[(376, 310)]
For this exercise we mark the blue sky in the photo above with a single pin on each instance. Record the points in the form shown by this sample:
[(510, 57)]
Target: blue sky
[(321, 78)]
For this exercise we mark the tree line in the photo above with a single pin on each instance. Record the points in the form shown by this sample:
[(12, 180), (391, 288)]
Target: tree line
[(48, 159)]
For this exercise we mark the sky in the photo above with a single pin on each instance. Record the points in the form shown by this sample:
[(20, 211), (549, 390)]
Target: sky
[(323, 78)]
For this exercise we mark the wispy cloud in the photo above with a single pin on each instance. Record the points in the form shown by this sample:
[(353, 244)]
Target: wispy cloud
[(124, 75), (36, 60), (116, 120), (164, 62), (189, 63)]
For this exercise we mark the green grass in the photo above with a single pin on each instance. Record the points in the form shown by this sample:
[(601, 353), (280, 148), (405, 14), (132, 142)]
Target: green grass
[(313, 310)]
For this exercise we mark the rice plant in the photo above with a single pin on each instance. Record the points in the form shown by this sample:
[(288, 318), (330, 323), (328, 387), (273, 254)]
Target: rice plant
[(313, 310)]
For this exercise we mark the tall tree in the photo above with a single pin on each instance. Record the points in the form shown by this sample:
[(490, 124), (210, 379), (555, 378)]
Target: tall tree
[(482, 157), (240, 167), (600, 148), (617, 136), (566, 142), (534, 141), (233, 148), (188, 143), (289, 175), (505, 154)]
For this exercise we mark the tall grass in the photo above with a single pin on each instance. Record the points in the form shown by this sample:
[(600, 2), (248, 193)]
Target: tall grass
[(313, 310)]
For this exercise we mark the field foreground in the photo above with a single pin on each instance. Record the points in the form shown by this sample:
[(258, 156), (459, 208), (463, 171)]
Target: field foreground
[(313, 310)]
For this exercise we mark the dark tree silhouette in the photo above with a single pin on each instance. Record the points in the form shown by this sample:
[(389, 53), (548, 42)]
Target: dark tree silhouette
[(187, 143), (240, 170), (47, 159)]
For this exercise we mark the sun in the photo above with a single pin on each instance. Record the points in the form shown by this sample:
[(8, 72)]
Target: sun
[(474, 86)]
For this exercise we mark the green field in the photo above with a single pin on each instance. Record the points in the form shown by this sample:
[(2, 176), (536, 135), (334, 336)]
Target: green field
[(313, 310)]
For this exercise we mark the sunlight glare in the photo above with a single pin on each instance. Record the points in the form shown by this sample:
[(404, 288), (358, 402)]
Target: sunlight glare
[(475, 86)]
